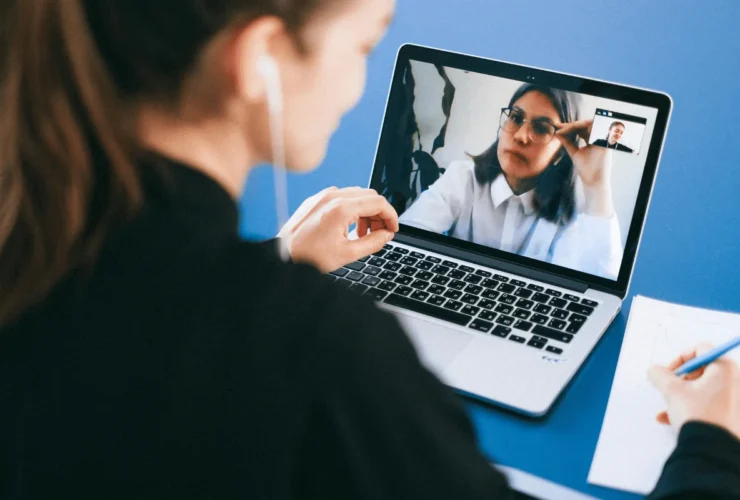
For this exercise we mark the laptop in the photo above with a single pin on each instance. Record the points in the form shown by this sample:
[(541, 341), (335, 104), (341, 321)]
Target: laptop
[(515, 252)]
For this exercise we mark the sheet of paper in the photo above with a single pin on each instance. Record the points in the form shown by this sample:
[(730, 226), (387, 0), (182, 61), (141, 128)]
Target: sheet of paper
[(632, 446)]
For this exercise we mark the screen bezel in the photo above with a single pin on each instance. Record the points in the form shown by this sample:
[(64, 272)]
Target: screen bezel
[(660, 101)]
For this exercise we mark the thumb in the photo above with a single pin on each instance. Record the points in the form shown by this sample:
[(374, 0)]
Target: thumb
[(663, 379), (369, 244)]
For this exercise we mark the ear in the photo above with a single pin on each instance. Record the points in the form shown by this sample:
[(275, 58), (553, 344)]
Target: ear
[(250, 48)]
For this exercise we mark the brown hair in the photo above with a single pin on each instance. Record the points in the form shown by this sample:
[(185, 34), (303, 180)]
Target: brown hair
[(67, 149)]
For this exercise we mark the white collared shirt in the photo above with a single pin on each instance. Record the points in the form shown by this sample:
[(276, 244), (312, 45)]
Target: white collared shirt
[(491, 215)]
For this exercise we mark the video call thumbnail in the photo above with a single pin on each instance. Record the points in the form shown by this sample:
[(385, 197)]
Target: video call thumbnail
[(617, 131)]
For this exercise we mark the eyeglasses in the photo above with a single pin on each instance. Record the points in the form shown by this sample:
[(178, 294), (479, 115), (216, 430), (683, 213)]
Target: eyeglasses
[(541, 130)]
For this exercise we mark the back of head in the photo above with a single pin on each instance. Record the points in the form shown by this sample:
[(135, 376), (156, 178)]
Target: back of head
[(70, 72)]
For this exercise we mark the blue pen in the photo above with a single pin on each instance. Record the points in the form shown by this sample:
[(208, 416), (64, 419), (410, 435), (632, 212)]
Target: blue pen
[(707, 357)]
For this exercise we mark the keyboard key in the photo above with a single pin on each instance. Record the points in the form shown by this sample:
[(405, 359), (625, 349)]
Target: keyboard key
[(470, 310), (501, 331), (487, 304), (371, 281), (387, 286), (472, 278), (450, 264), (488, 315), (387, 275), (505, 320), (539, 319), (424, 275), (364, 259), (436, 300), (523, 293), (481, 272), (394, 257), (517, 283), (474, 289), (574, 328), (376, 262), (549, 333), (408, 271), (517, 339), (436, 289), (433, 260), (580, 309), (376, 294), (572, 298), (508, 299), (481, 325), (409, 261), (442, 270), (371, 271), (553, 293), (428, 309), (392, 266), (457, 284), (331, 278), (344, 282), (536, 288), (440, 280), (559, 303), (388, 247), (541, 298), (554, 350), (489, 283), (501, 278), (504, 309), (525, 304), (453, 294), (402, 250), (536, 343), (419, 285), (506, 288), (589, 303), (523, 325), (469, 298), (490, 294), (424, 265), (341, 272), (557, 323), (466, 269), (417, 255), (542, 309), (522, 314), (355, 276), (419, 295), (403, 290), (456, 274), (356, 266), (359, 288), (380, 253), (559, 314), (453, 305), (404, 280), (577, 318)]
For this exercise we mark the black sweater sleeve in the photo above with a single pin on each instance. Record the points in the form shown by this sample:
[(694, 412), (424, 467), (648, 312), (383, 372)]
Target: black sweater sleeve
[(384, 427), (705, 464)]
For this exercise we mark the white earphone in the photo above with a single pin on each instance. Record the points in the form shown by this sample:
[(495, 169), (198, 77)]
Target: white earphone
[(268, 69)]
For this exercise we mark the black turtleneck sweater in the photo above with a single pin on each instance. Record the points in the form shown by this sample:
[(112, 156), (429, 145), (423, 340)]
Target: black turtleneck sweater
[(192, 364)]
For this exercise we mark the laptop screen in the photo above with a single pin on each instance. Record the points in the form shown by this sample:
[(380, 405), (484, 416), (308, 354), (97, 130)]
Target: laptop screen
[(516, 165)]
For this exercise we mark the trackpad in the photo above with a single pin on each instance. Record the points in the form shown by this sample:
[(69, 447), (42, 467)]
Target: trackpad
[(438, 346)]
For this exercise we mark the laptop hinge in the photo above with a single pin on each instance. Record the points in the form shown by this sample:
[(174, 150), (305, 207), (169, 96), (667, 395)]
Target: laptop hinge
[(492, 262)]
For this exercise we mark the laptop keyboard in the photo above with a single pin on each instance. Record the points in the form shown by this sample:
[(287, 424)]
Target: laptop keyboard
[(477, 298)]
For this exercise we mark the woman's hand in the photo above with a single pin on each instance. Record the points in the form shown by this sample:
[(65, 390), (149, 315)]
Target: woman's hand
[(593, 164), (318, 233), (710, 394)]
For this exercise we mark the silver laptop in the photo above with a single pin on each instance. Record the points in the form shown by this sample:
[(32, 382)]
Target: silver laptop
[(522, 195)]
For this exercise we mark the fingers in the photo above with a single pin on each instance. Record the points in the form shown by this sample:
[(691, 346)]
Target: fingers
[(663, 379), (688, 356), (362, 227), (582, 128), (569, 145), (663, 418), (373, 242), (353, 209)]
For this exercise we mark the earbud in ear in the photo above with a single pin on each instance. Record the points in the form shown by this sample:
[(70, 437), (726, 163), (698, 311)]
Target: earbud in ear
[(266, 66)]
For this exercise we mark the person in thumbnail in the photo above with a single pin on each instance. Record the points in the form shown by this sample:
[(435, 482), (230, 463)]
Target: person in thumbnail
[(616, 131), (520, 194)]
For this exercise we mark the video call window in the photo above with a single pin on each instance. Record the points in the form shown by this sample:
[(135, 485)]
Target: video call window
[(617, 131)]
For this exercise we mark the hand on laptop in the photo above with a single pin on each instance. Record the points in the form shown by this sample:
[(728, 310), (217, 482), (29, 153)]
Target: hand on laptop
[(318, 233), (710, 394), (593, 165)]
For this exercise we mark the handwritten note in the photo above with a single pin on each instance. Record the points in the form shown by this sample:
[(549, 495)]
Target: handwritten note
[(632, 446)]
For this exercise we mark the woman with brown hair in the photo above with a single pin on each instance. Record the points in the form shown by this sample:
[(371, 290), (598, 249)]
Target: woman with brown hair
[(148, 352)]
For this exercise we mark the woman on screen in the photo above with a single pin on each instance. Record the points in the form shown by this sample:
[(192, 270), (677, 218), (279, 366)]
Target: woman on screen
[(519, 196)]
